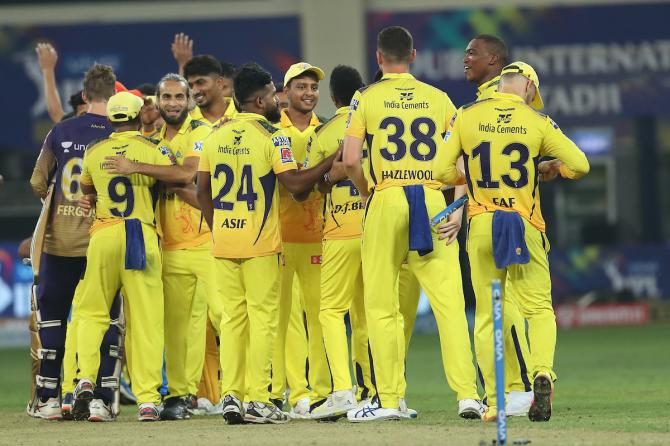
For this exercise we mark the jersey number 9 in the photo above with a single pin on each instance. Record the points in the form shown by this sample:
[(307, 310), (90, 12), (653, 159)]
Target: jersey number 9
[(121, 191)]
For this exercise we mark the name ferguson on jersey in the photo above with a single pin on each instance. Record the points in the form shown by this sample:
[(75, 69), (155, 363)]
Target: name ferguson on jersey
[(493, 128)]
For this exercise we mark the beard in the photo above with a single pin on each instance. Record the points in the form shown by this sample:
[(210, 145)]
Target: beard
[(174, 120), (273, 115)]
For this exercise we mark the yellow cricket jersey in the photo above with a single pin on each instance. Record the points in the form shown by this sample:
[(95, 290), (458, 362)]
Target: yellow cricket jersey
[(502, 141), (243, 157), (485, 90), (343, 208), (300, 222), (180, 224), (230, 113), (121, 197), (402, 120)]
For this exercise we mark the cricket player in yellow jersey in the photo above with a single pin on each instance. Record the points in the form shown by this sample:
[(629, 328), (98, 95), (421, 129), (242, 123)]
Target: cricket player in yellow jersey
[(185, 242), (402, 121), (123, 252), (484, 58), (341, 276), (240, 165), (211, 83), (503, 140), (301, 227)]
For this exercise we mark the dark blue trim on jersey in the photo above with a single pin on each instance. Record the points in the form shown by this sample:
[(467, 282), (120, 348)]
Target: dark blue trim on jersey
[(467, 177), (522, 363), (269, 182), (536, 161), (368, 139)]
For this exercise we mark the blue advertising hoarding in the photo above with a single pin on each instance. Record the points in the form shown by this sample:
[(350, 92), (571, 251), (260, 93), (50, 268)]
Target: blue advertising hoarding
[(594, 62), (138, 52)]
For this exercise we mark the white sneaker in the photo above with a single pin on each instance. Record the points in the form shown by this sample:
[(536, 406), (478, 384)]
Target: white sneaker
[(99, 411), (373, 412), (49, 410), (406, 412), (301, 410), (337, 404), (205, 407), (264, 413), (148, 412), (232, 410), (471, 409), (518, 403)]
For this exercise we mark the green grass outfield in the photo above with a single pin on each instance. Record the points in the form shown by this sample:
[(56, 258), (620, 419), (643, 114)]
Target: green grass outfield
[(613, 389)]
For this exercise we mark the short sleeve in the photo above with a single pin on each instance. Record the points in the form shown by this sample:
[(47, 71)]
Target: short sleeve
[(356, 119), (281, 155), (450, 112), (196, 140), (203, 164), (164, 157), (448, 152), (556, 144), (85, 177), (315, 152)]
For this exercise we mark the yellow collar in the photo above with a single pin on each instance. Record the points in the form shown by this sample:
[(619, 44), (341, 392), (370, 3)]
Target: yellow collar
[(493, 83), (126, 134), (285, 121), (182, 129), (246, 116), (508, 96), (342, 110), (398, 76)]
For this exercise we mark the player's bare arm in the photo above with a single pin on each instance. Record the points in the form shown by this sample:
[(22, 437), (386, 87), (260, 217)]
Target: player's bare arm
[(299, 182), (47, 58), (204, 195), (449, 229), (170, 174), (351, 157), (187, 192)]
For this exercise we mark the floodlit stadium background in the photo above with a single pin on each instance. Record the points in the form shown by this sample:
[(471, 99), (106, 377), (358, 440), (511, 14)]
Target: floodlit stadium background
[(606, 82)]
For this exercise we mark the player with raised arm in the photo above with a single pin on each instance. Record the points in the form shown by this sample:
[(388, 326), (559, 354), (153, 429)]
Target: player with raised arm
[(503, 139), (301, 228), (240, 165), (123, 252), (402, 120), (485, 57)]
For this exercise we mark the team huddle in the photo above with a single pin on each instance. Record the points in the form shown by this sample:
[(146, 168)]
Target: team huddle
[(231, 236)]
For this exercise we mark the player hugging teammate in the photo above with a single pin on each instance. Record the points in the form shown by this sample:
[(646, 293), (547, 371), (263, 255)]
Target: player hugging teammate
[(264, 227)]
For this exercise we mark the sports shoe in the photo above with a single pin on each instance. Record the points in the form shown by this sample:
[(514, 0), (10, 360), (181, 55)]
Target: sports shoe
[(406, 412), (471, 409), (278, 402), (264, 413), (232, 410), (175, 408), (372, 411), (66, 406), (205, 407), (46, 410), (301, 410), (99, 411), (543, 393), (148, 412), (518, 403), (83, 394), (336, 405)]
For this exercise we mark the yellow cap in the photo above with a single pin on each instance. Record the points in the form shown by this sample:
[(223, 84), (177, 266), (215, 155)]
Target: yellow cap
[(299, 68), (528, 72), (123, 107)]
